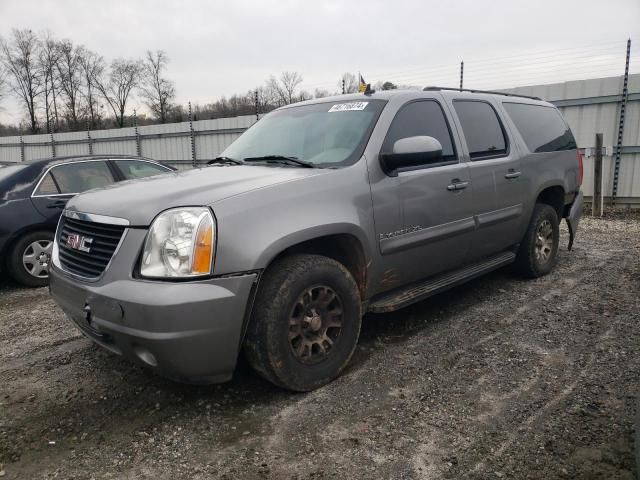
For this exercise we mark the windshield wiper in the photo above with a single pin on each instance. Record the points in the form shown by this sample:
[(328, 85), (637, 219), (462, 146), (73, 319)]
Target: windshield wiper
[(281, 159), (225, 161)]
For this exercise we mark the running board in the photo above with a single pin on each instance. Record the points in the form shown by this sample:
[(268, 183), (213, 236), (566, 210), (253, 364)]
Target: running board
[(419, 291)]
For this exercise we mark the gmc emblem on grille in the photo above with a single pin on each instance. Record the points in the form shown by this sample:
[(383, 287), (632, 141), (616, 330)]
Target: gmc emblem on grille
[(78, 242)]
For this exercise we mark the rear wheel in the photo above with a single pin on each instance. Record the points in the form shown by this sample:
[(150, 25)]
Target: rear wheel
[(305, 322), (29, 259), (538, 251)]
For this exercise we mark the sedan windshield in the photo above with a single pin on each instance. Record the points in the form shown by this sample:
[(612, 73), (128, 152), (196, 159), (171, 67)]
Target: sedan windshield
[(323, 134)]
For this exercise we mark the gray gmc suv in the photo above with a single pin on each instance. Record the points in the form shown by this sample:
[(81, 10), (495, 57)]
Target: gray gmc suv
[(320, 212)]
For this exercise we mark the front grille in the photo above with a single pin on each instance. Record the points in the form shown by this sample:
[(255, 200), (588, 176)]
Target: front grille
[(105, 240)]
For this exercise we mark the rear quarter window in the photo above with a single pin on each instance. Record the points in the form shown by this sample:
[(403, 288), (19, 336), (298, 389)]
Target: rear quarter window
[(542, 128), (47, 186)]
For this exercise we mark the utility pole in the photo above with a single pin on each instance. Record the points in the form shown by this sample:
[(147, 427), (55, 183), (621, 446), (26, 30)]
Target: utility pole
[(623, 106), (461, 74)]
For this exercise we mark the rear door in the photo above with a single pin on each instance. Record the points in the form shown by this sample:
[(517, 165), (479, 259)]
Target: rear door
[(62, 182), (496, 177), (435, 199)]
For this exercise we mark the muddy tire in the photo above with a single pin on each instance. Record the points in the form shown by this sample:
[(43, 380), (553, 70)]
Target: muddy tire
[(538, 251), (305, 322), (29, 257)]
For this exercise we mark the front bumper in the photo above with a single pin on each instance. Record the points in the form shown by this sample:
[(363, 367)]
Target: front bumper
[(187, 331)]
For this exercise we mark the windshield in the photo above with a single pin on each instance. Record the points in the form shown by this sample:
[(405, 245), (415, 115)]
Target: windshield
[(324, 134)]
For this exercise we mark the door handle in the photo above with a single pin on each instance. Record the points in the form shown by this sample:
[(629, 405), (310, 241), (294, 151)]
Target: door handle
[(511, 174), (457, 185), (57, 204)]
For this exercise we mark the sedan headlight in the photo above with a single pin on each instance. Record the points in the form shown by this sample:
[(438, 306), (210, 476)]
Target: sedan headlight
[(180, 243)]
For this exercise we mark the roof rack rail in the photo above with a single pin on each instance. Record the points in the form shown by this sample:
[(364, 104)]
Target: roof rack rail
[(427, 89)]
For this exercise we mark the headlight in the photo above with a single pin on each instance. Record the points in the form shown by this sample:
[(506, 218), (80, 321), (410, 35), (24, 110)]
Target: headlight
[(180, 243)]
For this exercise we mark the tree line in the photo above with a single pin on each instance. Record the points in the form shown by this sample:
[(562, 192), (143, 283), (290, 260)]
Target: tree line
[(61, 86)]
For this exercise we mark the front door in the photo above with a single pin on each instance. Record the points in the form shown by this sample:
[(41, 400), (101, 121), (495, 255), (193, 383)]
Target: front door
[(435, 200)]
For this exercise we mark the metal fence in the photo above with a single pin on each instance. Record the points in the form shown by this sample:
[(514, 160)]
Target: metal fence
[(182, 144), (590, 106)]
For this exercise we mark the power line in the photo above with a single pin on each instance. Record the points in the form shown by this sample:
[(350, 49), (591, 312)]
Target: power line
[(587, 52)]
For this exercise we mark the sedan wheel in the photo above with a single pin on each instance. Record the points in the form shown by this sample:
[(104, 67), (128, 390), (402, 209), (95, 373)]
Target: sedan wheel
[(36, 258), (29, 258)]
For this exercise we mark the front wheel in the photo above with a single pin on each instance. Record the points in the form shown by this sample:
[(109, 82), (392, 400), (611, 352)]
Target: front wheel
[(305, 322), (29, 259), (538, 251)]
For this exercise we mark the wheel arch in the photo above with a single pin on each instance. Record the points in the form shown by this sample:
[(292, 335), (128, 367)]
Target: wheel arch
[(553, 195), (18, 234), (342, 243)]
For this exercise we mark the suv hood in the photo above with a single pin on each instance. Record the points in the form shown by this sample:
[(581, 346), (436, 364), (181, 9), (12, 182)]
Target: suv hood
[(139, 201)]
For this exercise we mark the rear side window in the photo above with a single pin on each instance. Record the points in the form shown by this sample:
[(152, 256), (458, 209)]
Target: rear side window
[(542, 128), (482, 129), (133, 169), (77, 177), (424, 118)]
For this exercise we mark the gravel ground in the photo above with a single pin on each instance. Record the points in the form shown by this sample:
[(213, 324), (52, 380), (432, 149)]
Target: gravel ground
[(499, 378)]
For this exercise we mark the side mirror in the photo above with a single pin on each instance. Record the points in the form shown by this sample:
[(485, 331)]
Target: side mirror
[(410, 152)]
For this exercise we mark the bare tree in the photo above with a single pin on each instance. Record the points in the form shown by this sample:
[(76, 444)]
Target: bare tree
[(290, 82), (284, 89), (266, 99), (70, 76), (156, 90), (304, 95), (116, 88), (3, 86), (92, 67), (48, 59), (350, 83), (20, 58), (320, 93)]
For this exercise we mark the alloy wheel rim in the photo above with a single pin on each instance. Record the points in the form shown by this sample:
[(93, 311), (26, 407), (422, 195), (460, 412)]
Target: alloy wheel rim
[(36, 258), (315, 324), (544, 241)]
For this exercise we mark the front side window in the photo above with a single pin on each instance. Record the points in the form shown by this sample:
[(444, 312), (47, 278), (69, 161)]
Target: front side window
[(325, 134), (482, 129), (77, 177), (542, 128), (134, 169), (422, 118)]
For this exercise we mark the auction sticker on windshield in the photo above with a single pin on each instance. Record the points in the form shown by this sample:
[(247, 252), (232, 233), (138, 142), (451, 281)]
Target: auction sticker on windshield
[(347, 107)]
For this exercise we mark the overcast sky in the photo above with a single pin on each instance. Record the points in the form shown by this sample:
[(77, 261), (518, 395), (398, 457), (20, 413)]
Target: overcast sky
[(223, 47)]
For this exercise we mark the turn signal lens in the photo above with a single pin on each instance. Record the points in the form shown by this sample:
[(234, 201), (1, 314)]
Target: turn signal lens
[(203, 248)]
